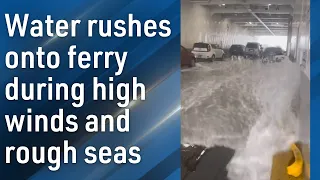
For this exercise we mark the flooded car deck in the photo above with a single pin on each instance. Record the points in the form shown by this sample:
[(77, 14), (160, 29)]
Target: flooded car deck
[(243, 107)]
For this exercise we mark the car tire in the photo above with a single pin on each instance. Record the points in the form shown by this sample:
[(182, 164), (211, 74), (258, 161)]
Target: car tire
[(213, 57), (193, 63), (222, 57), (264, 60)]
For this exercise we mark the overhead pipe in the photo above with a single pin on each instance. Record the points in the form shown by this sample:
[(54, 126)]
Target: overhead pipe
[(261, 22)]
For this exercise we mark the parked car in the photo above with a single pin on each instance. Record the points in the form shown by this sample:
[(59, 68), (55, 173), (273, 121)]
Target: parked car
[(187, 58), (253, 50), (207, 51), (237, 50), (273, 54), (276, 51)]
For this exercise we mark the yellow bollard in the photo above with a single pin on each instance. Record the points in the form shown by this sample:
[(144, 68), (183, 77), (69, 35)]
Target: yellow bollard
[(296, 168)]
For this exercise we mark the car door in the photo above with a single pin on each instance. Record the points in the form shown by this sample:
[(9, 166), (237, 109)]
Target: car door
[(219, 51), (183, 54), (210, 50), (216, 50)]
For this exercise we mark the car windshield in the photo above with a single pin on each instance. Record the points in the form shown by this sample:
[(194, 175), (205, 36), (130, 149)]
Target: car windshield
[(201, 47), (273, 50), (215, 46), (252, 45), (236, 47)]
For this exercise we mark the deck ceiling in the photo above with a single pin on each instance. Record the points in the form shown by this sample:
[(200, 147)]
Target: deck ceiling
[(262, 17)]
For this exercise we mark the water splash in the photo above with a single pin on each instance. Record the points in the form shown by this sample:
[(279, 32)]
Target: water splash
[(244, 106), (218, 107), (276, 127)]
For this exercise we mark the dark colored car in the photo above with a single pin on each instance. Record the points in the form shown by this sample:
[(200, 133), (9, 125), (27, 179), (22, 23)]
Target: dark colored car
[(273, 54), (253, 49), (272, 51), (237, 50), (187, 58)]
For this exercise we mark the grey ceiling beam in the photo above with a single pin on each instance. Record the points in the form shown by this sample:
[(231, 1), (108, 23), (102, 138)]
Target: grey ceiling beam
[(263, 31), (261, 26), (259, 2), (248, 15), (271, 28), (250, 11), (254, 20), (270, 19), (284, 33), (257, 23), (262, 10), (266, 34), (268, 24)]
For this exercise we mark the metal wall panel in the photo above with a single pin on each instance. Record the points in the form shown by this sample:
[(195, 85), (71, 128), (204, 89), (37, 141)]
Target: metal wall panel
[(199, 25)]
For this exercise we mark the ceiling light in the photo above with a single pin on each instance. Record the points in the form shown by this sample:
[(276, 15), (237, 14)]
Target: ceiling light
[(269, 4), (250, 22), (223, 4)]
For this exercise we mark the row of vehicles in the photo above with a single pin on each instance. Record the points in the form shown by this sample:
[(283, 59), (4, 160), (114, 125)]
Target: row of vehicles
[(251, 50), (254, 50), (211, 52)]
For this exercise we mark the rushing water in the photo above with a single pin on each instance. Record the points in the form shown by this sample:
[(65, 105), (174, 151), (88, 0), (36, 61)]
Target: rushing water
[(243, 105)]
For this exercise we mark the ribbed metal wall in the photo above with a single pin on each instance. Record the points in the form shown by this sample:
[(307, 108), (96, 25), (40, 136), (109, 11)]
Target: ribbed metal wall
[(300, 41), (302, 56), (198, 25)]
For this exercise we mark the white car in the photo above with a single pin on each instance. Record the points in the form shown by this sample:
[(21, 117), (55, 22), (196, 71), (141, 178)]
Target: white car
[(207, 51)]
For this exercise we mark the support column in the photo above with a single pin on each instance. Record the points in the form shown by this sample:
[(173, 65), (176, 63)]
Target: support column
[(289, 36)]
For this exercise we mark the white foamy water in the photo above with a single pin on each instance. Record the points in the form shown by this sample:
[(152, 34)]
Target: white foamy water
[(242, 105)]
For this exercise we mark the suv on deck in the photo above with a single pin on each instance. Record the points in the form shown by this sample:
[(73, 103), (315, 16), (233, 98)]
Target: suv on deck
[(253, 49), (207, 51), (273, 54), (237, 50)]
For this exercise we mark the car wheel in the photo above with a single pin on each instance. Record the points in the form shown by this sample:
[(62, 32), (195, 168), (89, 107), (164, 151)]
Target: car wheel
[(222, 57), (213, 57), (264, 60), (193, 63)]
